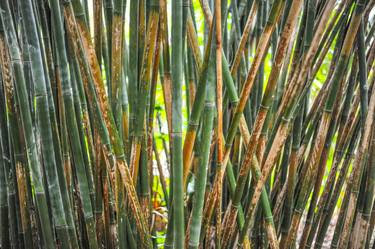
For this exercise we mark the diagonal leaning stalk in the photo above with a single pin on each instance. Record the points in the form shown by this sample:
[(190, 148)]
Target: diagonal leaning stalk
[(85, 48), (364, 215), (34, 163), (8, 215), (362, 151), (77, 150), (355, 177), (266, 103), (275, 14), (44, 124), (326, 119), (283, 130)]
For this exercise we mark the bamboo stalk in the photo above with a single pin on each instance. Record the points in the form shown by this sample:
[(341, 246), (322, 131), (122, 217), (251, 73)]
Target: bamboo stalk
[(20, 86), (176, 122)]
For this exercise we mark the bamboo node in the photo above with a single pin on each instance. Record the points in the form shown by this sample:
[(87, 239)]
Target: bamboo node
[(265, 107)]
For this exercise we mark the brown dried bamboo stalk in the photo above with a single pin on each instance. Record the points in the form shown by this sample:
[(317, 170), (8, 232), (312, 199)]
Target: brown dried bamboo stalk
[(79, 33)]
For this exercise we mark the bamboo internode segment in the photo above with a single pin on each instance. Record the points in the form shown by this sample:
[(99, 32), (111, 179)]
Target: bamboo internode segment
[(187, 124)]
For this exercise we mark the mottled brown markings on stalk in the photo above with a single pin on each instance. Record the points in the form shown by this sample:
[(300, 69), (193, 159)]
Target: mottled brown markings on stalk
[(6, 72), (154, 79), (67, 169), (298, 78), (187, 153), (250, 79), (230, 225), (134, 160), (312, 161), (348, 124), (259, 55), (187, 233), (318, 176), (362, 231), (253, 142), (283, 130), (98, 8), (355, 176), (167, 94), (116, 54), (166, 86), (192, 91), (106, 206), (290, 187), (132, 196), (193, 42), (282, 47), (244, 38), (148, 56), (149, 49), (104, 106), (207, 212), (293, 229), (290, 91), (22, 191), (279, 203), (261, 147), (85, 37), (319, 142), (201, 67), (273, 241)]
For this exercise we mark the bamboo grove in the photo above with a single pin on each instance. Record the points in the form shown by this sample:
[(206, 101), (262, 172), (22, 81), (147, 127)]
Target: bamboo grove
[(187, 124)]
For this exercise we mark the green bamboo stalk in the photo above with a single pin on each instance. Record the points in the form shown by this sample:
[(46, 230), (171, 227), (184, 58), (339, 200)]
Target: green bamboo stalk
[(18, 160), (84, 133), (43, 121), (200, 184), (77, 150), (113, 120), (328, 209), (251, 76), (98, 24), (196, 111), (94, 83), (116, 56), (323, 126), (291, 180), (4, 206), (161, 173), (108, 16), (116, 100), (277, 142), (319, 179), (177, 164), (344, 122), (5, 139), (266, 102), (364, 219), (165, 64), (356, 175), (219, 129), (22, 99), (143, 92), (133, 67)]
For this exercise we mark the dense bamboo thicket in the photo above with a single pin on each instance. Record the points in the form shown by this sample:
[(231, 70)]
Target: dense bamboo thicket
[(187, 124)]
